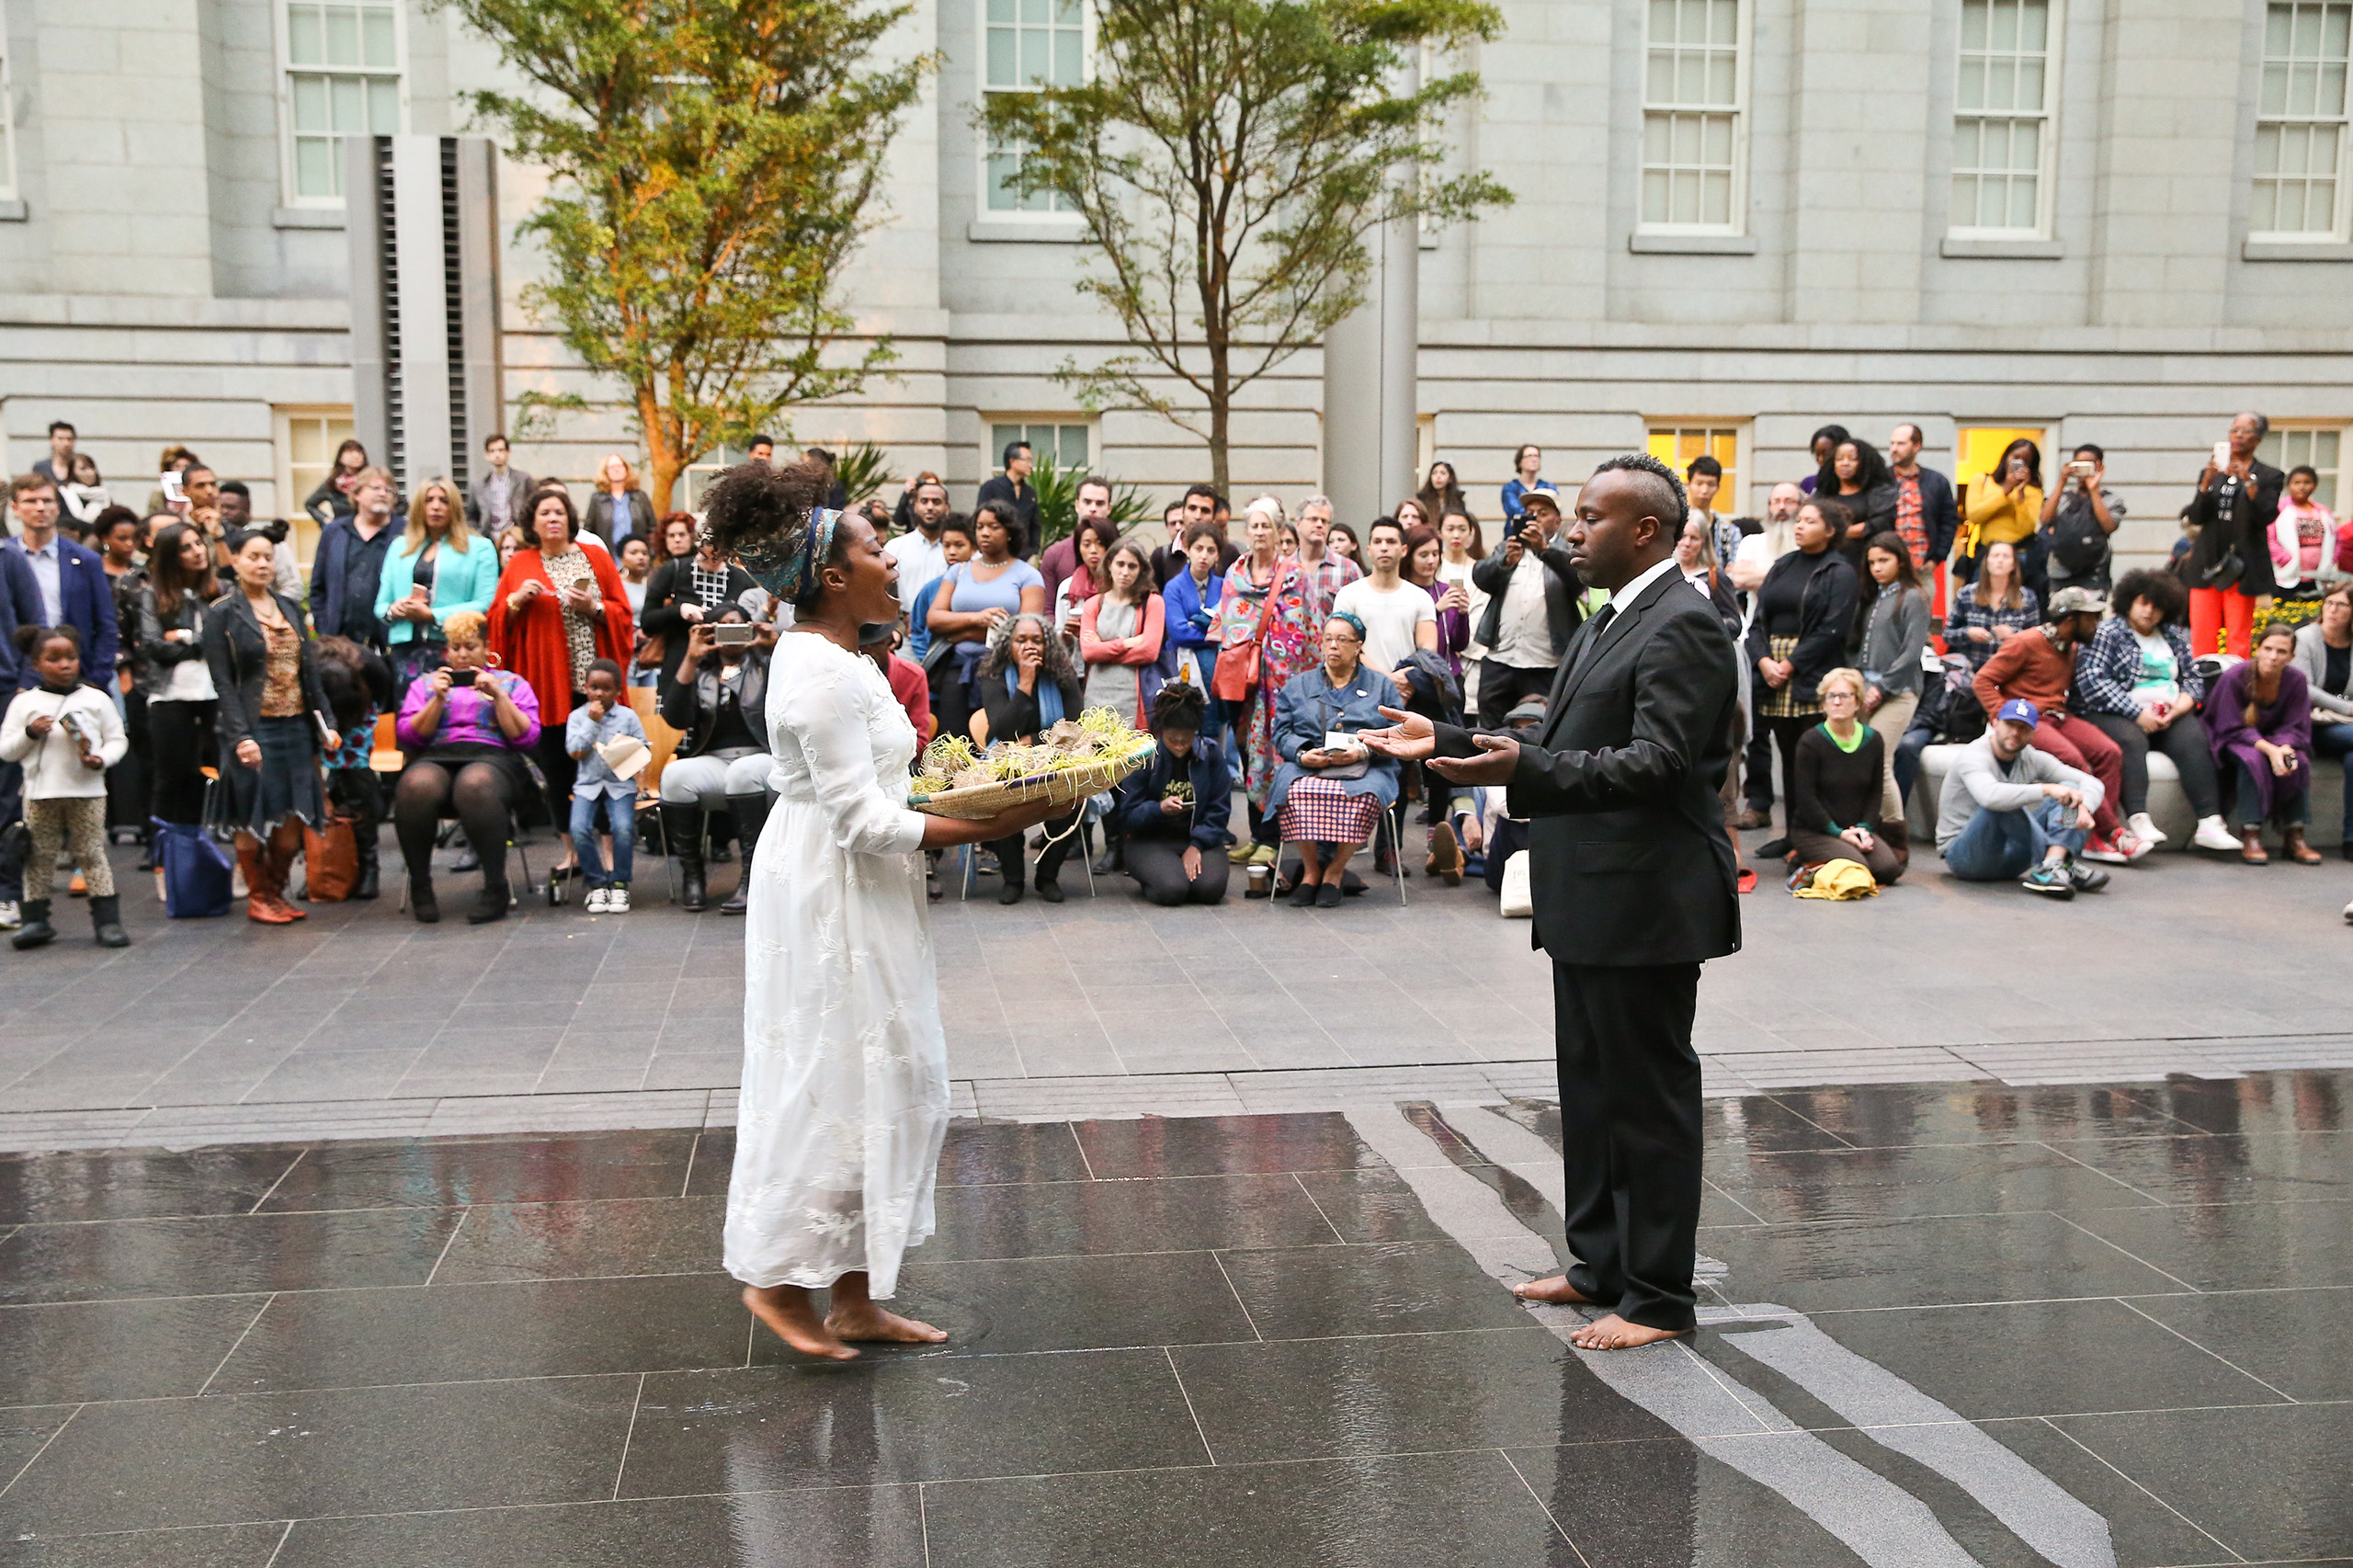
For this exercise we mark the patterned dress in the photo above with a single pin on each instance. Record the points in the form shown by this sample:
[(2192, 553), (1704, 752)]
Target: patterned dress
[(1289, 641)]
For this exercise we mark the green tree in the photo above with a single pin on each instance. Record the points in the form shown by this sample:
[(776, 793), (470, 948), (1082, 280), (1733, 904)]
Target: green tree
[(1227, 160), (714, 163)]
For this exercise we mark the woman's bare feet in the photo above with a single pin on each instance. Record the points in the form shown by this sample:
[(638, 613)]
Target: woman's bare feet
[(786, 1310), (1556, 1291), (855, 1315), (1614, 1333)]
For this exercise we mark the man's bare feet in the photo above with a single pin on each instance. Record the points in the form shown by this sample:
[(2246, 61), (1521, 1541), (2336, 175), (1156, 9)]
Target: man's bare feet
[(786, 1310), (1614, 1333), (1556, 1291), (871, 1323)]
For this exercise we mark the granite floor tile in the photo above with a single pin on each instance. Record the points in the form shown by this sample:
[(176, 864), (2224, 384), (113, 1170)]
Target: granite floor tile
[(2268, 1483), (1219, 1145), (2237, 1246), (1172, 1214), (2293, 1340), (211, 1256), (1385, 1288), (145, 1184), (207, 1546), (1941, 1261), (438, 1173), (589, 1240), (154, 1348)]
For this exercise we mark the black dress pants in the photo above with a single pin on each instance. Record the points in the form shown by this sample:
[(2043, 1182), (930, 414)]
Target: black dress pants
[(1501, 688), (1630, 1132)]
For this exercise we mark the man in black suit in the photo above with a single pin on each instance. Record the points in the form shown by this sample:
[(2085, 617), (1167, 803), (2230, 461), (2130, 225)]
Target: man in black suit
[(1634, 887)]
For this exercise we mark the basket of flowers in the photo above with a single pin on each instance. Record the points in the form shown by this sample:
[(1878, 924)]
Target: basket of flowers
[(1075, 758)]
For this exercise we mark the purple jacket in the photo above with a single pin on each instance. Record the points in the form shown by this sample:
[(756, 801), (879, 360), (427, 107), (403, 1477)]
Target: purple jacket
[(466, 717), (2287, 722)]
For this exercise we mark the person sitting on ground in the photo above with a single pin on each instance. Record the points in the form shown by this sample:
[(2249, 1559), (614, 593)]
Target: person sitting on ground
[(1992, 610), (1489, 834), (718, 700), (2040, 666), (2010, 809), (66, 736), (1172, 812), (1838, 791), (2262, 735), (466, 729), (1028, 686), (2137, 684), (1330, 791), (2324, 654), (599, 792)]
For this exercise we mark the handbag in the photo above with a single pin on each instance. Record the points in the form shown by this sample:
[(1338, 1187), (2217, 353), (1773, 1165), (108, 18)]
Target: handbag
[(2227, 569), (653, 650), (1237, 663), (330, 859), (196, 871)]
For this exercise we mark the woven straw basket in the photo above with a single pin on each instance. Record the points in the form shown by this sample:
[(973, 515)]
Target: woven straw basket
[(1061, 786)]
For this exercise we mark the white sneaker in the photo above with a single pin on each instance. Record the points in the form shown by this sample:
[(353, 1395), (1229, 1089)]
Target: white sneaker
[(617, 899), (595, 904), (2132, 846), (2144, 829), (2212, 835), (11, 916)]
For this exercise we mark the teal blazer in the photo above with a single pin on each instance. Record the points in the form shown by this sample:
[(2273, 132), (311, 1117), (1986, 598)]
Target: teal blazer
[(463, 581)]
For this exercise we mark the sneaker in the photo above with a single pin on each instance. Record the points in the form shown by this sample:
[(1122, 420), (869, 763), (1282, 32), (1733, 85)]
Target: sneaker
[(595, 902), (2212, 835), (11, 915), (2144, 830), (1241, 853), (617, 899), (2100, 849), (1752, 818), (2083, 878), (2049, 880), (2132, 846), (1262, 854)]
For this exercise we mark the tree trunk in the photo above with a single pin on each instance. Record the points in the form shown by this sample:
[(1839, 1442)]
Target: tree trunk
[(1220, 415)]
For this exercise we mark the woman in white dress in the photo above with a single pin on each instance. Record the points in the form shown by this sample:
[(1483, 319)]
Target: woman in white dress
[(845, 1095)]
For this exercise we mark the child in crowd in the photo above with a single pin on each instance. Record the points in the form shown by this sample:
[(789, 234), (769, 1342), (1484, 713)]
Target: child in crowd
[(67, 735), (2303, 537), (604, 718)]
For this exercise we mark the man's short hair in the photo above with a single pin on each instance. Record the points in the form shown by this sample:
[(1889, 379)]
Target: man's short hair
[(1094, 482), (1392, 524), (236, 487), (1011, 447), (929, 481), (1323, 501), (959, 523), (1207, 491), (496, 438), (1917, 434), (66, 425), (359, 481), (1172, 509), (1704, 464), (2097, 455), (759, 441), (1665, 492), (193, 468), (1202, 530), (25, 481)]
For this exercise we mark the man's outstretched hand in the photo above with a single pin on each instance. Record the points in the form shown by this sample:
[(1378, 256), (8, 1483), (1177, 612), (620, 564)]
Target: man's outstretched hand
[(1497, 760), (1409, 738), (1413, 738)]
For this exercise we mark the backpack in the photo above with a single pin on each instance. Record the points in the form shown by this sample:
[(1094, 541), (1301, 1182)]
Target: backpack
[(2077, 541)]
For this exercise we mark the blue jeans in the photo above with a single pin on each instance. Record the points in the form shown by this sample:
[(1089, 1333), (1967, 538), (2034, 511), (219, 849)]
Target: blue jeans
[(621, 818), (1998, 846), (2337, 740)]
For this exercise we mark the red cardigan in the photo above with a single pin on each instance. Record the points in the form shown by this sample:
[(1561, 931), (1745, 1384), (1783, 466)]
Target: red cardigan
[(913, 689), (531, 641)]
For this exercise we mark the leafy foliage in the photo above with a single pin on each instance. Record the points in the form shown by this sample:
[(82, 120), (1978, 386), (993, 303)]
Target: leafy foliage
[(862, 471), (1057, 491)]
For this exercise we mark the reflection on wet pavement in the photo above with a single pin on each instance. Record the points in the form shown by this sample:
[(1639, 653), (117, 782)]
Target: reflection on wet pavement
[(1946, 1326)]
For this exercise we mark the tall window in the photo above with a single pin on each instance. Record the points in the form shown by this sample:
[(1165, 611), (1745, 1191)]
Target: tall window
[(2299, 125), (1692, 90), (1029, 44), (2314, 447), (2002, 117), (1065, 445), (307, 440), (342, 78), (1677, 444)]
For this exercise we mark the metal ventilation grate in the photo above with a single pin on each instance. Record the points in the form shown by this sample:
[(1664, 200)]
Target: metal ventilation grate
[(454, 315), (389, 260)]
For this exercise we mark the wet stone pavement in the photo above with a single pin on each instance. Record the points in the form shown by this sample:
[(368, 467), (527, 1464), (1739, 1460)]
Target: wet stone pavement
[(1946, 1324)]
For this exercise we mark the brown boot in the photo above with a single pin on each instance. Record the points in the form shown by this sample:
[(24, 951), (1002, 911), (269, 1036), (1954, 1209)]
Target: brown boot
[(2292, 844), (266, 867), (2251, 845)]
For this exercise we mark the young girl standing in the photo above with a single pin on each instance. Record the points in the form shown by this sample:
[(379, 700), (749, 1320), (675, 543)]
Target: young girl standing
[(67, 735)]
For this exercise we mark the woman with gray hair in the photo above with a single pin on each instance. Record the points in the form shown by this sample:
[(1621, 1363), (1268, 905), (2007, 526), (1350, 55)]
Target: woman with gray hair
[(1027, 688)]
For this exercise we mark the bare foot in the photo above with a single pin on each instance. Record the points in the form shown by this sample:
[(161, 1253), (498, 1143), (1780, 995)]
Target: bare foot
[(1614, 1333), (869, 1322), (1556, 1291), (786, 1310)]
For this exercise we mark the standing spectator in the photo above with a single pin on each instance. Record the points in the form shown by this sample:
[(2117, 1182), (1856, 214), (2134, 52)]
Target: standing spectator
[(618, 509), (1441, 493), (275, 725), (600, 794), (1532, 590), (1837, 788), (2079, 517), (2229, 569), (1701, 480), (83, 496), (1013, 491), (636, 564), (1895, 633), (1121, 629), (438, 568), (955, 548), (70, 578), (2039, 666), (2325, 654), (494, 501), (64, 734), (176, 459), (348, 564), (1190, 601), (2010, 809), (675, 541), (1695, 557), (2262, 735), (557, 609), (466, 729), (718, 703), (2006, 508), (1171, 814), (761, 450), (1994, 608), (1758, 551), (905, 679), (2303, 539), (689, 588), (1270, 602), (1092, 503), (1857, 477), (331, 498), (2136, 683), (1343, 542), (358, 685), (58, 467), (19, 606), (1030, 686), (1466, 548), (1425, 558), (1797, 635), (1412, 513), (116, 539), (1329, 799), (1325, 566), (973, 600), (1395, 619), (182, 704), (903, 516), (1091, 547), (1925, 515), (1823, 445), (1199, 505), (922, 558), (1526, 473)]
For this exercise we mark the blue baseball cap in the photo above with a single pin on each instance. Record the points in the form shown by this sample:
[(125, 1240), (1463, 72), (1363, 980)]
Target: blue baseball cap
[(2019, 709)]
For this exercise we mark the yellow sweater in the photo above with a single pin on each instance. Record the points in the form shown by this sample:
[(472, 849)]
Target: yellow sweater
[(1995, 518)]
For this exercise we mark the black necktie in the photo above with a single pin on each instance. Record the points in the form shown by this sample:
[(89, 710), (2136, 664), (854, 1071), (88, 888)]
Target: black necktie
[(1601, 619)]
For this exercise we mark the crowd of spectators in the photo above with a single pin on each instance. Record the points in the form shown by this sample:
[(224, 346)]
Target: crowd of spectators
[(511, 649)]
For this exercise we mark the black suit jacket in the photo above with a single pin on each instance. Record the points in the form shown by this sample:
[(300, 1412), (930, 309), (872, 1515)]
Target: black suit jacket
[(1628, 862)]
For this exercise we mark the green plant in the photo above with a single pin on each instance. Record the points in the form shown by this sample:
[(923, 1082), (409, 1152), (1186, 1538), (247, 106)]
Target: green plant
[(1057, 491), (863, 470)]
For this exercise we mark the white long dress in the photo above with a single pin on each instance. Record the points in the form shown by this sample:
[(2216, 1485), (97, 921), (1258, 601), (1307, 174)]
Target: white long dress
[(845, 1097)]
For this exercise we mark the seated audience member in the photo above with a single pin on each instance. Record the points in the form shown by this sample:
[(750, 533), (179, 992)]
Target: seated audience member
[(2040, 667), (1028, 687), (2010, 809), (2261, 713), (718, 700), (1191, 600), (955, 548), (1328, 797), (1994, 608), (599, 792), (1838, 791), (466, 730), (2325, 653), (1172, 812), (2136, 683), (1491, 837), (1121, 628), (358, 682), (689, 588)]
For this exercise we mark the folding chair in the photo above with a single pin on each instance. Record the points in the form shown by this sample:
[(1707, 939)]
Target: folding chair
[(662, 741)]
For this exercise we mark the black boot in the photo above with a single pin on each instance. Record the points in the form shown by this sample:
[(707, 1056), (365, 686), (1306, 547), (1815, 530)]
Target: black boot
[(751, 814), (370, 881), (682, 826), (36, 932), (106, 921), (421, 902), (495, 898)]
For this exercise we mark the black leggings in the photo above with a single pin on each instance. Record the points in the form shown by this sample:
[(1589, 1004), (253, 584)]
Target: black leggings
[(476, 793), (1159, 865), (2184, 740), (1050, 859), (180, 741)]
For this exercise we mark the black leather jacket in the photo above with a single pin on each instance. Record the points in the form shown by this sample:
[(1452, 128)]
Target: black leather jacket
[(695, 707)]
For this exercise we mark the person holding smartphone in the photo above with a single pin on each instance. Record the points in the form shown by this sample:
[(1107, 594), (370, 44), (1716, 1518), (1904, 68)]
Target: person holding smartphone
[(2079, 517), (2229, 569), (466, 728), (717, 700)]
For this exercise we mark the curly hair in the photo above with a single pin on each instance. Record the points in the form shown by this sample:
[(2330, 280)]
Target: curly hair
[(765, 510), (999, 658), (2162, 589), (1180, 706), (530, 519)]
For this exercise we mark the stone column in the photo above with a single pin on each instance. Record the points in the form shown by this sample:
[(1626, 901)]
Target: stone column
[(1371, 376)]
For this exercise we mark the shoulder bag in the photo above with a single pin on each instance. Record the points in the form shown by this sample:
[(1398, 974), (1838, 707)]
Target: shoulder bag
[(1237, 663)]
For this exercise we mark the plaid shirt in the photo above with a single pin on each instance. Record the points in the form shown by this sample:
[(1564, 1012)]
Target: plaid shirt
[(2106, 667), (1965, 614), (1909, 522), (1331, 574)]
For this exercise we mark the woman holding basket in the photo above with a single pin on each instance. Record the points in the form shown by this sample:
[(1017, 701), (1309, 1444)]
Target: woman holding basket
[(845, 1096)]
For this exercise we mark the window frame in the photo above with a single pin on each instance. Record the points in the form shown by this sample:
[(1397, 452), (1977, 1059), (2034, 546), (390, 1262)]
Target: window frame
[(993, 449), (1744, 52), (2046, 174), (1730, 503), (303, 531), (281, 30), (2341, 229), (2281, 428), (982, 211)]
